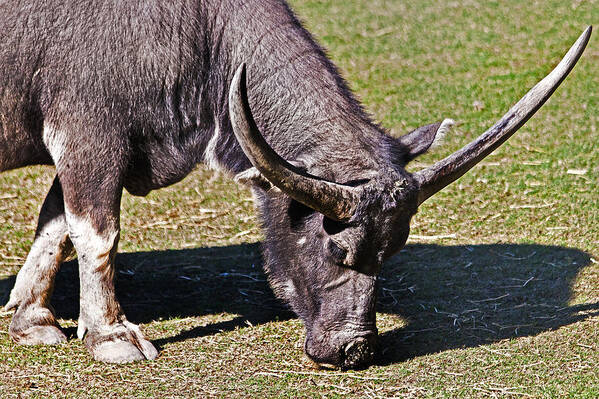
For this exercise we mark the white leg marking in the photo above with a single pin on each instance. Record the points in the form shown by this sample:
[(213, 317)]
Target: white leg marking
[(98, 304), (105, 331), (86, 239), (36, 274)]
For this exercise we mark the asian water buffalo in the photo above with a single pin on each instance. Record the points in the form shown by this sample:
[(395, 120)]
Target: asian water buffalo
[(133, 94)]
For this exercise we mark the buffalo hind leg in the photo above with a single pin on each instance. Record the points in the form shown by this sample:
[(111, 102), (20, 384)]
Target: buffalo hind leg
[(92, 215), (34, 321)]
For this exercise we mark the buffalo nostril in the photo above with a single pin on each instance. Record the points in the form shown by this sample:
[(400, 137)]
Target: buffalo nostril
[(349, 346), (357, 353)]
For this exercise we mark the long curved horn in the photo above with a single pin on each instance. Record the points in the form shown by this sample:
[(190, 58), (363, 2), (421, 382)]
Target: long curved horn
[(442, 173), (334, 200)]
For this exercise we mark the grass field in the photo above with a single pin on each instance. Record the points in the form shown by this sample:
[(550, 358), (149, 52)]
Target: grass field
[(495, 295)]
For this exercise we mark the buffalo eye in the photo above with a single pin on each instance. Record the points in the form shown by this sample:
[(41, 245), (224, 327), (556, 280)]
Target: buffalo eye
[(298, 213), (336, 251), (332, 227)]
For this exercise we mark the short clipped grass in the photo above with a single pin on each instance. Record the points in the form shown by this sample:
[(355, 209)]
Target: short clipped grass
[(495, 295)]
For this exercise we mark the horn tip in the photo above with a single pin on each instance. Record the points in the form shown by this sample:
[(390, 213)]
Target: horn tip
[(586, 34)]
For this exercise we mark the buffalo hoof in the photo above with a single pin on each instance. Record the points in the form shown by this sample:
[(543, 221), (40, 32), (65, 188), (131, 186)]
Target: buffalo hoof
[(34, 325), (38, 335), (124, 344)]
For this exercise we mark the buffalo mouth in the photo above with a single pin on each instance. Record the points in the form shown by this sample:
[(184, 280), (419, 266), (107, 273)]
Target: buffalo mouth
[(358, 353)]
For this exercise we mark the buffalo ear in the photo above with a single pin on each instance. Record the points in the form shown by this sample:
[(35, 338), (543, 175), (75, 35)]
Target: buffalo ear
[(418, 141), (253, 177)]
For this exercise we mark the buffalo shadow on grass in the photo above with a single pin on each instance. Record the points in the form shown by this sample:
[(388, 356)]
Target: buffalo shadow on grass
[(472, 295), (448, 296)]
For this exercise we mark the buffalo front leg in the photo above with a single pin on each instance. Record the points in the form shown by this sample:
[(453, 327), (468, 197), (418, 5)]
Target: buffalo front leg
[(92, 214), (34, 321)]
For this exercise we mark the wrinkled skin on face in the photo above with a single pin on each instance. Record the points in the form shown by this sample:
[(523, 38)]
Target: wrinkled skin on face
[(327, 270)]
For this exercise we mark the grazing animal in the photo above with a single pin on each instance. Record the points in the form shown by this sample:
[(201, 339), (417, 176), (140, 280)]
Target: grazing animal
[(131, 94)]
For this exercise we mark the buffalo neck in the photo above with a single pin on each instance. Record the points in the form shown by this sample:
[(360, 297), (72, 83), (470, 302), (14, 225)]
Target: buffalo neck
[(301, 104)]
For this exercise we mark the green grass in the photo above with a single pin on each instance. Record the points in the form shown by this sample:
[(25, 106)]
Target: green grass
[(508, 305)]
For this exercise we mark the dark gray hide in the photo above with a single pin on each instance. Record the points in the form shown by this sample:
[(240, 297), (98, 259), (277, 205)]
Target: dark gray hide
[(127, 94)]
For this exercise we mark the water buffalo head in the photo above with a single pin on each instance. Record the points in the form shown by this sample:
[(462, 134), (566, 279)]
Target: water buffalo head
[(326, 240)]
